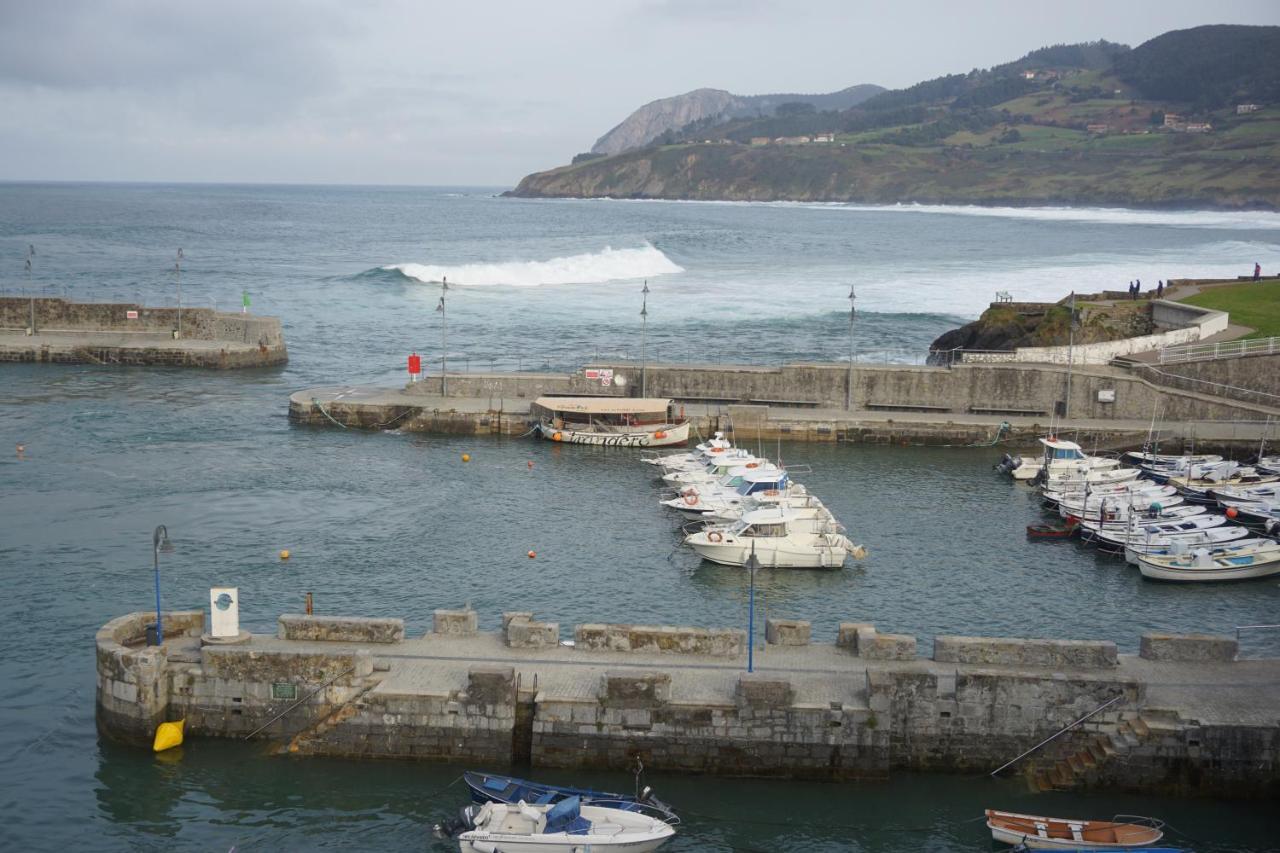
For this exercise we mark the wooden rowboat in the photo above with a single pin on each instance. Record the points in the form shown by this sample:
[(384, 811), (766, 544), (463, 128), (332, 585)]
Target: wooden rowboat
[(1056, 833), (1051, 531)]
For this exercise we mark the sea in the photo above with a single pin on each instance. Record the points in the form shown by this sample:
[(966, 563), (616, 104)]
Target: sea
[(390, 524)]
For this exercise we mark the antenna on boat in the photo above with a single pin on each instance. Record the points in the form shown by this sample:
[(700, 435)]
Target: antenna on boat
[(644, 328)]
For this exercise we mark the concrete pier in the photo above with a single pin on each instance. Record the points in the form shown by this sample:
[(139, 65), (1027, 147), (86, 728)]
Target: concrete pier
[(59, 331), (1184, 716)]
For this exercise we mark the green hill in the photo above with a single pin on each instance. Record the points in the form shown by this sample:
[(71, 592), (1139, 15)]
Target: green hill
[(1066, 124)]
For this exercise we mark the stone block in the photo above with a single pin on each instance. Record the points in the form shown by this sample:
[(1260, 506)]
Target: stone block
[(761, 691), (347, 629), (1188, 648), (876, 646), (847, 637), (661, 639), (492, 685), (635, 689), (526, 634), (787, 632), (455, 622), (510, 616), (1011, 651)]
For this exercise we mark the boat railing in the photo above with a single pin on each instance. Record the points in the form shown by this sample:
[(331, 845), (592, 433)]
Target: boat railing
[(1105, 705), (657, 812)]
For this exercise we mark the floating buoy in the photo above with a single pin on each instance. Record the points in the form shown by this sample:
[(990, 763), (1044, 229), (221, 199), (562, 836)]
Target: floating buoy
[(556, 437), (1232, 512), (530, 464), (168, 735), (466, 457), (284, 554), (532, 555), (22, 449)]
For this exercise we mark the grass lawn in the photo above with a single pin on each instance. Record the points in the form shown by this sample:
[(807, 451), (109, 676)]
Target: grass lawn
[(1255, 304)]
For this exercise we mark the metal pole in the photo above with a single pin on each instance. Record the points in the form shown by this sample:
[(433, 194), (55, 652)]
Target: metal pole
[(752, 565), (1071, 343), (444, 338), (177, 267), (644, 328), (848, 387), (31, 250), (159, 539)]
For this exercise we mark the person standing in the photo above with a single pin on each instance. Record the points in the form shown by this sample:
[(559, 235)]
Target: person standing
[(1160, 289), (1257, 271), (1137, 289)]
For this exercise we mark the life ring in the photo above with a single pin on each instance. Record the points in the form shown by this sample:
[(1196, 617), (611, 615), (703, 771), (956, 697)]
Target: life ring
[(773, 493), (691, 500), (752, 465), (557, 437), (715, 536), (717, 450)]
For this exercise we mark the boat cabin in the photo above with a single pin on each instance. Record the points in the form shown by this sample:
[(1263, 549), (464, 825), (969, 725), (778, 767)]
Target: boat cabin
[(763, 483), (762, 524), (1059, 451), (603, 414)]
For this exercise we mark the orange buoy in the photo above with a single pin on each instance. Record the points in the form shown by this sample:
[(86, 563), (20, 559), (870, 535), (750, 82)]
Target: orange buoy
[(556, 437), (532, 555), (530, 463), (284, 554), (466, 457), (659, 435), (1232, 512)]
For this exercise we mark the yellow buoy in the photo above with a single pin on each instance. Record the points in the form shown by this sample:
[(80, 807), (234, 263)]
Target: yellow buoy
[(168, 735), (284, 555), (466, 457)]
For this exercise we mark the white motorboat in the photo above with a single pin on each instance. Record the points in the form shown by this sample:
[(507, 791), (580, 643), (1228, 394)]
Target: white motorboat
[(1177, 461), (1268, 464), (716, 448), (779, 537), (610, 421), (1094, 507), (1116, 540), (1090, 478), (1058, 458), (769, 481), (1200, 565), (1214, 537), (565, 827), (1186, 544), (1122, 518), (1228, 475), (715, 470), (801, 500)]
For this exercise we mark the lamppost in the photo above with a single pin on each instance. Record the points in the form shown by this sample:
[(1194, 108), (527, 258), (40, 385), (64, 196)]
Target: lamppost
[(644, 328), (751, 565), (160, 542), (444, 338), (1071, 343), (177, 268), (848, 388), (31, 251)]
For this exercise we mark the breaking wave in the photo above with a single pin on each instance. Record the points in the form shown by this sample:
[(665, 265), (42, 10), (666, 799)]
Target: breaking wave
[(609, 264)]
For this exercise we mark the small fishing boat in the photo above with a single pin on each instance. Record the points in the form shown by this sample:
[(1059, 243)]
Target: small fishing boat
[(1116, 540), (1056, 833), (564, 827), (1214, 537), (493, 788), (1200, 565), (1051, 531), (610, 421), (1227, 475), (1268, 464)]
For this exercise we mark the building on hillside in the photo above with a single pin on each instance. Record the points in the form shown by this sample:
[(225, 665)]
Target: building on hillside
[(829, 136), (1173, 121), (1199, 127), (759, 140), (1241, 109), (792, 140), (1097, 129), (1028, 75)]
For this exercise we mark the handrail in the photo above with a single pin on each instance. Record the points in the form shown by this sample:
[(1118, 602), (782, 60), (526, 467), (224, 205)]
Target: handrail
[(299, 702), (1219, 349), (1240, 628), (1155, 369), (1064, 729)]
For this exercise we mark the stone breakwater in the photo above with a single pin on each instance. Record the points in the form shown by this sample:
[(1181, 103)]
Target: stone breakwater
[(1182, 716), (59, 331)]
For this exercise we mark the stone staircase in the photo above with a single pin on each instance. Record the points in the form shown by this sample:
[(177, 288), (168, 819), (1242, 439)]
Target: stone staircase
[(1075, 760), (336, 715)]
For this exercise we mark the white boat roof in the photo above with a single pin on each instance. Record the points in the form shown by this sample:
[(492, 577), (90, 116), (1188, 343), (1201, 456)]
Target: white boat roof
[(604, 405), (768, 515), (1059, 444)]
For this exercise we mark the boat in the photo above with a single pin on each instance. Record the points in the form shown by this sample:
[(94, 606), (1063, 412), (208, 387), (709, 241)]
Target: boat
[(610, 421), (1228, 475), (1121, 518), (1116, 540), (770, 485), (1169, 460), (1059, 458), (715, 469), (716, 447), (1200, 565), (1056, 833), (493, 788), (778, 537), (1090, 478), (1268, 464), (568, 826), (1051, 531), (1214, 537)]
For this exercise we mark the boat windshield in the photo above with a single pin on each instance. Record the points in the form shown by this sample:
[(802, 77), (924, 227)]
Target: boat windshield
[(1060, 454), (765, 530), (750, 487)]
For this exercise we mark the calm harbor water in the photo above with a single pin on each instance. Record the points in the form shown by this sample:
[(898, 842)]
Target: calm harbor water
[(389, 524)]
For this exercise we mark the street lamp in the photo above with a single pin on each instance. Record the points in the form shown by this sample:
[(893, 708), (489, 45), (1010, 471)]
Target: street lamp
[(751, 565), (160, 542), (644, 328), (177, 269), (31, 252), (848, 388), (1071, 348), (444, 338)]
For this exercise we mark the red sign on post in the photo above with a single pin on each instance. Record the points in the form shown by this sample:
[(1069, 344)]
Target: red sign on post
[(415, 365)]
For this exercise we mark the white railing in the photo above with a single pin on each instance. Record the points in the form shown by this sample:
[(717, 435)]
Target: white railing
[(1221, 349)]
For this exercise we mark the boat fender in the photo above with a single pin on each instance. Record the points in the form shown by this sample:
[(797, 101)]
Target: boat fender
[(715, 536), (557, 437), (659, 435), (691, 500), (773, 493)]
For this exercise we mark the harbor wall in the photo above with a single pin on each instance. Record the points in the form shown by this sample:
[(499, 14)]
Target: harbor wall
[(1250, 378), (679, 699)]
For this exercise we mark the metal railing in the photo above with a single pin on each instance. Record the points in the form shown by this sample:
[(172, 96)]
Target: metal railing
[(1220, 349), (1113, 700), (1232, 391), (570, 361)]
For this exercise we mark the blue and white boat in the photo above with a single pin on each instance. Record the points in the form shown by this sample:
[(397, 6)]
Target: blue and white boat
[(492, 788)]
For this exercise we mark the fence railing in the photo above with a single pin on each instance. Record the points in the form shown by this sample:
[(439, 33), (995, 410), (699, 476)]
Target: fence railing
[(460, 362), (1220, 349)]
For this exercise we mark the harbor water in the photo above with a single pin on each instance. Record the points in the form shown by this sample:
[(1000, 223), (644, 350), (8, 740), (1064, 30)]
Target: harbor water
[(398, 525)]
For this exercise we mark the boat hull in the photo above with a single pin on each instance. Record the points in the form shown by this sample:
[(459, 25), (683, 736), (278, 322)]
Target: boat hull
[(671, 435)]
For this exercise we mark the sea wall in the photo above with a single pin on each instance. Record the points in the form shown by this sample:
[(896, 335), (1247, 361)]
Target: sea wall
[(679, 698), (60, 315)]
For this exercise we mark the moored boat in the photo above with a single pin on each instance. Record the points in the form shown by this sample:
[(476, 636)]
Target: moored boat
[(494, 788), (1201, 566), (610, 421), (779, 537), (1056, 833), (564, 827)]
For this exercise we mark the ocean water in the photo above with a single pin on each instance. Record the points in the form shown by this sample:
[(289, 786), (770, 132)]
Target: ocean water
[(390, 524)]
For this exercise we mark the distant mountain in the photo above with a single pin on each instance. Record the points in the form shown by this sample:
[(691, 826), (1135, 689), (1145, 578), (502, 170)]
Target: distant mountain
[(701, 105), (1209, 67)]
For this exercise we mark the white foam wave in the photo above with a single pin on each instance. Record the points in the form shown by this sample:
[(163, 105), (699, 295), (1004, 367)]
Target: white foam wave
[(606, 265)]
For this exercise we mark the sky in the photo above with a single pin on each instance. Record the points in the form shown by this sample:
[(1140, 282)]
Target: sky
[(421, 92)]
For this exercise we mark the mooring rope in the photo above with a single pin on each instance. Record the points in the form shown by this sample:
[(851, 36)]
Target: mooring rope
[(316, 403)]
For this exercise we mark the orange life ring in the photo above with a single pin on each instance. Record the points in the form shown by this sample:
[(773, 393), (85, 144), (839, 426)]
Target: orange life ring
[(752, 465), (715, 536), (771, 492), (556, 437), (691, 500), (717, 450)]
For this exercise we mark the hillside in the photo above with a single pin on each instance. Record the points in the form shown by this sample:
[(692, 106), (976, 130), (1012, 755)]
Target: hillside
[(666, 115), (1095, 123)]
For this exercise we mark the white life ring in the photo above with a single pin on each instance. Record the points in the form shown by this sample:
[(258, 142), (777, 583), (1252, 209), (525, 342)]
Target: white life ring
[(715, 536)]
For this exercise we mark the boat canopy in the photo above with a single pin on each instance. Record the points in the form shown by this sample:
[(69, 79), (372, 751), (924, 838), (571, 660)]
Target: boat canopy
[(606, 405), (1055, 448), (756, 483)]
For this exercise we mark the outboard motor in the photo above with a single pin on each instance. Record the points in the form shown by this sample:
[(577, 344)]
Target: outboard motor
[(453, 827)]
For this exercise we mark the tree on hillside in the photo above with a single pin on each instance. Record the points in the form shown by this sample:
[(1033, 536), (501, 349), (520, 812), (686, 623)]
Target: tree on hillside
[(1208, 67), (794, 108)]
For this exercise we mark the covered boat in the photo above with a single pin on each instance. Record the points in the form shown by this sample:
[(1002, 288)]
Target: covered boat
[(493, 788), (611, 421), (1057, 833), (564, 827)]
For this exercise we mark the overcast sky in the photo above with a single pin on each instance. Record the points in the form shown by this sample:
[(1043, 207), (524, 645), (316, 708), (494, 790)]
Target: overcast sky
[(475, 93)]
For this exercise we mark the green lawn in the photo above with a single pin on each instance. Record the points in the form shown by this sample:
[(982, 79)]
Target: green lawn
[(1249, 303)]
